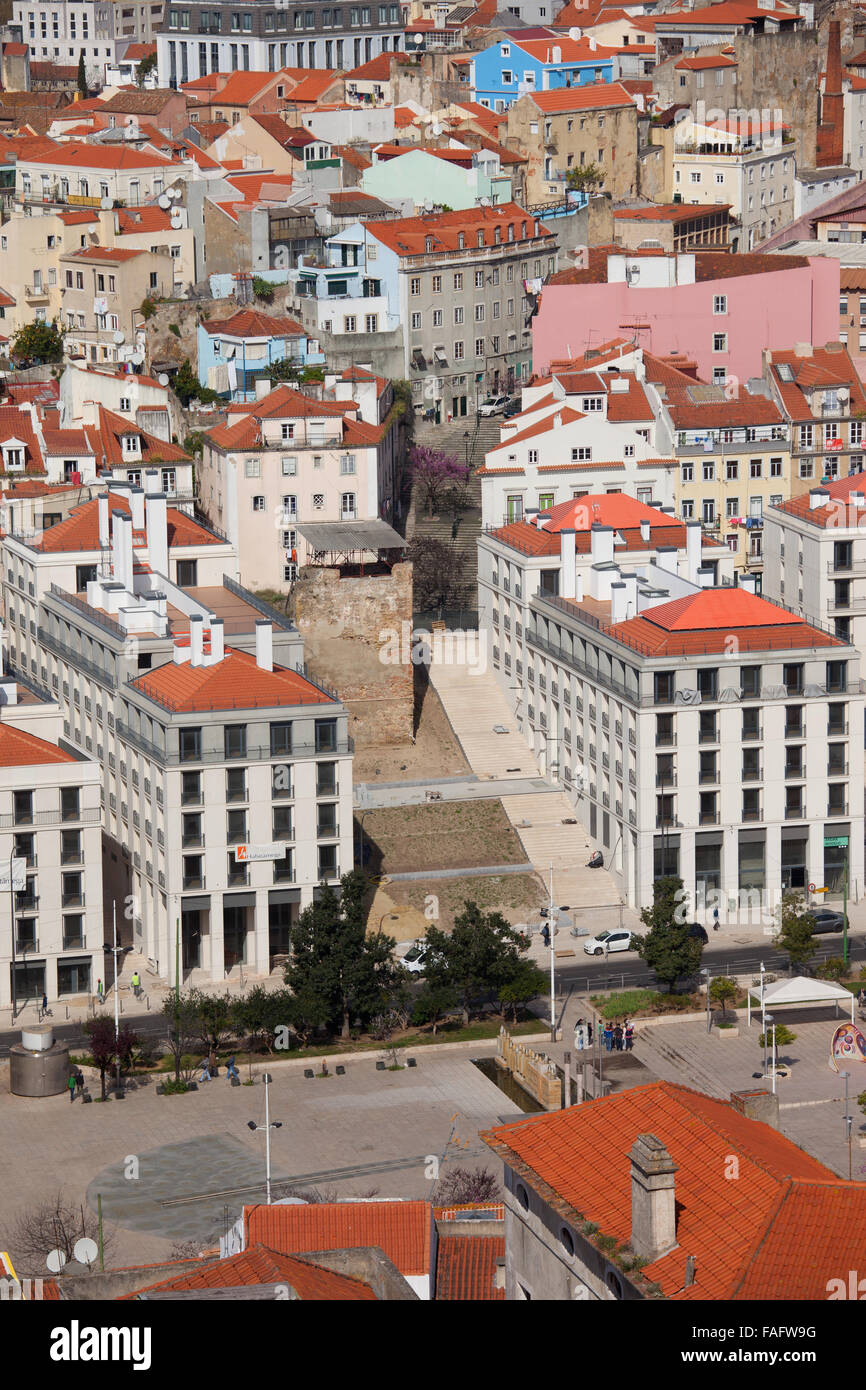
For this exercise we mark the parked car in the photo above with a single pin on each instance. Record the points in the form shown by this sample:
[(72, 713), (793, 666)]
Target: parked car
[(696, 931), (494, 405), (414, 959), (606, 942), (824, 920), (514, 407)]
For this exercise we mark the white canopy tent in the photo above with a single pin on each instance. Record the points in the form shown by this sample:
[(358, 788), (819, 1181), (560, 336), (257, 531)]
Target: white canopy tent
[(801, 990)]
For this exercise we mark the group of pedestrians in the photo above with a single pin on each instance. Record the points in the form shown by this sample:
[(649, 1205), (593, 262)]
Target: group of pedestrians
[(615, 1037), (210, 1070), (75, 1084)]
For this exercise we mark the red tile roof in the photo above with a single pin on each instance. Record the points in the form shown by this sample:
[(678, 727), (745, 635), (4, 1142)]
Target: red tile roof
[(465, 1268), (251, 323), (259, 1265), (826, 367), (152, 449), (590, 97), (408, 235), (20, 749), (667, 212), (729, 12), (709, 265), (401, 1230), (781, 1231), (236, 682), (240, 88), (828, 515), (568, 50), (566, 415), (143, 219), (706, 622), (103, 253), (705, 60), (312, 87), (73, 154), (80, 530), (66, 442), (136, 51), (18, 424), (687, 413), (282, 402)]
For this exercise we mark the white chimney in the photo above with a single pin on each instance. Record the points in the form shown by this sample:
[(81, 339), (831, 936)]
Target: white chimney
[(666, 558), (151, 480), (857, 499), (653, 1198), (121, 548), (705, 576), (747, 582), (104, 528), (630, 582), (567, 564), (618, 602), (157, 533), (601, 543), (217, 640), (196, 639), (264, 645), (818, 497), (693, 550), (578, 587), (136, 507), (645, 530), (263, 387)]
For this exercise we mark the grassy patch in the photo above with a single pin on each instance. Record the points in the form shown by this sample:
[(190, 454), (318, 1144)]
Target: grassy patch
[(637, 1002), (454, 835)]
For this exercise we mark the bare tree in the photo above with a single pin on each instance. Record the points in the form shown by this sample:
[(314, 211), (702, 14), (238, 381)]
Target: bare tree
[(54, 1224), (463, 1185)]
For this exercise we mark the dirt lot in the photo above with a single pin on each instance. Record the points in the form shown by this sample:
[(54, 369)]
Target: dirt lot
[(516, 896), (435, 752), (441, 835)]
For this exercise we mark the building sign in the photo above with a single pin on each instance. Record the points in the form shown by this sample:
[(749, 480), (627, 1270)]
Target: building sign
[(248, 854), (832, 444), (836, 842), (13, 874)]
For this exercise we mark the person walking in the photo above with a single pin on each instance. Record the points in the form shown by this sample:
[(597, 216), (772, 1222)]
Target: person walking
[(136, 984), (71, 1086), (715, 919), (589, 1033), (100, 992), (545, 934), (608, 1037), (579, 1035), (629, 1035), (617, 1037), (231, 1069), (79, 1082), (205, 1071)]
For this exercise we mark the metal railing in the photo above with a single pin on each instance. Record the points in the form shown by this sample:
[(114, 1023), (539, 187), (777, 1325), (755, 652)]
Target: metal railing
[(91, 815)]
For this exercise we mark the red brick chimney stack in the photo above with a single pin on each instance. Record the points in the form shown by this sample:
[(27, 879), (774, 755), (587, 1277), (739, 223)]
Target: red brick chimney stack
[(831, 127)]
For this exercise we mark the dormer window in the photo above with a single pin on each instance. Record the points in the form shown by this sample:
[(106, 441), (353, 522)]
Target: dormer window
[(131, 445), (428, 244), (13, 456), (481, 239), (461, 241)]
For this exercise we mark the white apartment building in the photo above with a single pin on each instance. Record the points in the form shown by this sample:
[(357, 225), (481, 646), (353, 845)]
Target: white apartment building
[(51, 823), (739, 162), (816, 556), (699, 731), (60, 31), (140, 400), (579, 432), (204, 747), (291, 459)]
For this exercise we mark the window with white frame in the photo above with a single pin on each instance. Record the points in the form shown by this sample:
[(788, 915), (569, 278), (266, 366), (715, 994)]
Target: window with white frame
[(720, 303), (347, 463), (687, 471), (289, 463), (252, 468), (582, 454), (259, 503), (720, 342)]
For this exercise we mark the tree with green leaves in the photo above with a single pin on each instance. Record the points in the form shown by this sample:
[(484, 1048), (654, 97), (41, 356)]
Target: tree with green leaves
[(527, 982), (36, 343), (782, 1035), (262, 1013), (482, 953), (81, 81), (338, 972), (287, 369), (214, 1014), (187, 387), (796, 933), (105, 1048), (667, 948), (145, 68), (432, 1003), (586, 178), (833, 969), (181, 1012), (722, 989), (263, 289)]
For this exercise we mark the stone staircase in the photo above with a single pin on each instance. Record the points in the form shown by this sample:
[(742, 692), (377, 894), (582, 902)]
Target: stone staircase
[(660, 1054), (449, 439)]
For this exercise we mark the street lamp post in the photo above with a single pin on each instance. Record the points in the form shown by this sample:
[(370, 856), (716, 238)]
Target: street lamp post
[(267, 1127), (706, 974), (551, 928), (115, 950), (768, 1021), (848, 1121)]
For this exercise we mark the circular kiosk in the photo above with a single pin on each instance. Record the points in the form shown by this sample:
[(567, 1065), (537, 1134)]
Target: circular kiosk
[(38, 1066)]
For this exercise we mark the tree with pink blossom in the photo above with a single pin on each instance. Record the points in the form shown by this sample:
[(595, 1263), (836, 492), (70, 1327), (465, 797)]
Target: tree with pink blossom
[(435, 474)]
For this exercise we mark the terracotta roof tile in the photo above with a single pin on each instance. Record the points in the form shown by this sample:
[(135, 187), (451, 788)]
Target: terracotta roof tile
[(402, 1230), (709, 265), (236, 682), (259, 1265), (251, 323), (775, 1233), (80, 530), (706, 621), (20, 749), (590, 97), (465, 1268), (408, 235)]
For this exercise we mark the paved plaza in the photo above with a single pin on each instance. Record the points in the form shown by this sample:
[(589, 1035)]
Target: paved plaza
[(351, 1134)]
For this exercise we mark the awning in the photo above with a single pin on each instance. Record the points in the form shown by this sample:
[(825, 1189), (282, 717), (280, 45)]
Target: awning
[(344, 537), (278, 896), (803, 989)]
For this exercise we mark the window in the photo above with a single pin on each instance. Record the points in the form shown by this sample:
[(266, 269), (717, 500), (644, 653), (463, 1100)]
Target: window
[(235, 740), (415, 285), (259, 503), (281, 740), (582, 454), (350, 322), (688, 472), (289, 465), (720, 342), (70, 803), (236, 784), (756, 468), (458, 280), (252, 468), (708, 471), (189, 745), (326, 735), (415, 321), (479, 347)]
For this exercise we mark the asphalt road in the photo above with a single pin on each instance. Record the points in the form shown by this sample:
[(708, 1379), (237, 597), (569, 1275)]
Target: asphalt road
[(582, 974)]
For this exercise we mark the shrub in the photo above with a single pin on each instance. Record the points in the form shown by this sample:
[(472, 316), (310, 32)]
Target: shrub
[(784, 1037), (263, 289), (174, 1088), (148, 309), (175, 329)]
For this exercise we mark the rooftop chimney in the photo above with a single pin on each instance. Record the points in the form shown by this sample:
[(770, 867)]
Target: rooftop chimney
[(645, 529), (653, 1198), (567, 564), (151, 480), (196, 639), (104, 528), (830, 129), (264, 645), (217, 640), (136, 507), (618, 602), (818, 497), (601, 543), (705, 577), (157, 533), (694, 540), (747, 582), (578, 587), (121, 538), (666, 558)]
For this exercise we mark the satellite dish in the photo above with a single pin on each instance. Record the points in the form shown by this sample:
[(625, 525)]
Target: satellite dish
[(164, 200), (85, 1250), (437, 127), (118, 335), (428, 205), (163, 378), (105, 204), (175, 193), (485, 202), (575, 33), (176, 219), (55, 1261), (137, 358)]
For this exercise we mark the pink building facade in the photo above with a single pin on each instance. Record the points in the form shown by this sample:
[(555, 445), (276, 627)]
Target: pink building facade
[(721, 323)]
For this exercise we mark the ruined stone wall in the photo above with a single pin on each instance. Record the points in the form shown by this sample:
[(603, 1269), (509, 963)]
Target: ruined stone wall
[(781, 70), (340, 620)]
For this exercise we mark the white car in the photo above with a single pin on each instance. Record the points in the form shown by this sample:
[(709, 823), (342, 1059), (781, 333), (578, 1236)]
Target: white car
[(607, 942), (413, 961), (494, 405)]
